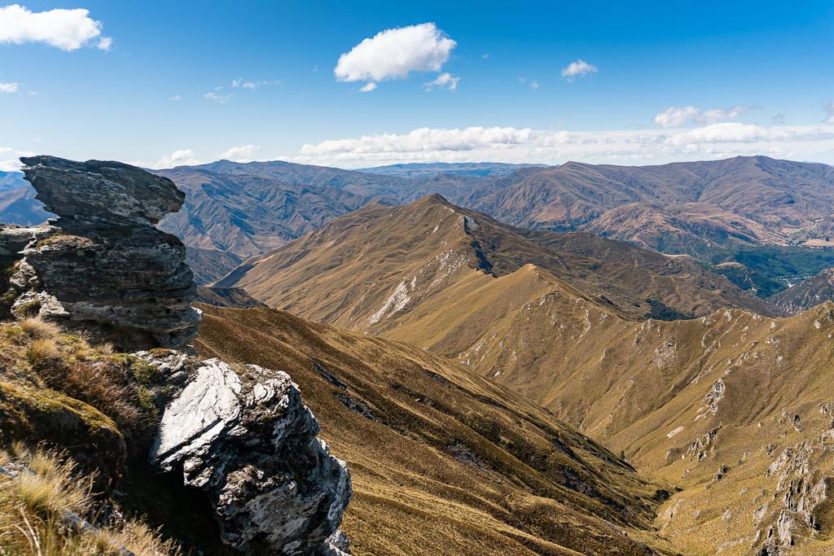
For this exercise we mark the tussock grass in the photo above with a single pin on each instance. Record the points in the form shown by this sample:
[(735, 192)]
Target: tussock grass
[(42, 355), (39, 328), (42, 352), (39, 505)]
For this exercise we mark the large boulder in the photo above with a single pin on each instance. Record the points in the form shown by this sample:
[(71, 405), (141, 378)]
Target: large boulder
[(246, 438), (104, 267)]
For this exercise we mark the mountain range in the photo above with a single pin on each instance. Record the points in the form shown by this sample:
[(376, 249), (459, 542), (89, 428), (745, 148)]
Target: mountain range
[(739, 210), (733, 408)]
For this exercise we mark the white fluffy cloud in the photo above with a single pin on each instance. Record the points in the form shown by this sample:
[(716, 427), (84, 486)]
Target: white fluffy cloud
[(508, 144), (444, 81), (578, 68), (394, 53), (368, 87), (242, 153), (180, 157), (9, 87), (61, 28), (679, 116)]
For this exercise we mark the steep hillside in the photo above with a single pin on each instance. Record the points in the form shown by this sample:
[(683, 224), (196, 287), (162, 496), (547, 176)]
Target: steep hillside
[(380, 267), (248, 214), (441, 460), (793, 201), (733, 407), (808, 293), (695, 228)]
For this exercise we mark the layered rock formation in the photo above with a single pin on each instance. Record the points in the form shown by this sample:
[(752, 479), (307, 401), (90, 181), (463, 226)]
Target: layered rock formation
[(247, 439), (104, 267), (242, 435)]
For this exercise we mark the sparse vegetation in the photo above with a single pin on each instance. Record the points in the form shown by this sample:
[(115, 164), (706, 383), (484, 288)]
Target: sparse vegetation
[(43, 499)]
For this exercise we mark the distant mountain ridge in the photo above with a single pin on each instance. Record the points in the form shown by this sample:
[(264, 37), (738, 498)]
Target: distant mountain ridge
[(709, 210), (433, 169)]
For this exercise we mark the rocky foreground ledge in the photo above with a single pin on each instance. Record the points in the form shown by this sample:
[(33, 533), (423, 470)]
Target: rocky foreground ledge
[(241, 435)]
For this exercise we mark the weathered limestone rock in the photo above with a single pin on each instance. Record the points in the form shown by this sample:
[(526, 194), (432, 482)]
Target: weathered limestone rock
[(247, 439), (104, 266)]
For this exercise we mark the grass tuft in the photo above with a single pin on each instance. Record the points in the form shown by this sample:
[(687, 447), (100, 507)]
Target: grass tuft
[(42, 351), (35, 505), (38, 328)]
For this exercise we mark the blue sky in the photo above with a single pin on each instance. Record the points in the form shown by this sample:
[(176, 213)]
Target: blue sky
[(663, 81)]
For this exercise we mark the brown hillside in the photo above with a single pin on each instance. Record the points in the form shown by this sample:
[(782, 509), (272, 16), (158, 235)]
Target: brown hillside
[(443, 461), (378, 267)]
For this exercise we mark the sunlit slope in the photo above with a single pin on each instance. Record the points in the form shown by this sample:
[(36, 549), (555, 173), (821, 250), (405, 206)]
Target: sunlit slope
[(734, 395), (444, 461), (368, 269)]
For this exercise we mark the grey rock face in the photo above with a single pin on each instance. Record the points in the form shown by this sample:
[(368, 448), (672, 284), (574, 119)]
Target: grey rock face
[(104, 266), (246, 437)]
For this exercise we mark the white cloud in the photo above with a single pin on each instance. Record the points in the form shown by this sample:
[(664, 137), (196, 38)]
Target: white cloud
[(10, 159), (61, 28), (508, 144), (251, 85), (218, 97), (830, 118), (534, 85), (578, 68), (104, 43), (9, 87), (444, 81), (368, 87), (180, 157), (394, 53), (242, 153), (679, 116), (175, 98)]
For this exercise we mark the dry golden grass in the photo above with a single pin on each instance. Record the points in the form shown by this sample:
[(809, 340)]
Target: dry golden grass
[(42, 352), (39, 328), (442, 461), (40, 505), (39, 354)]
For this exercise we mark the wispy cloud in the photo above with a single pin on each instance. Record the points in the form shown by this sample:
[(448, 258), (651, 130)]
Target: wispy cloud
[(180, 157), (251, 85), (679, 116), (9, 87), (578, 68), (218, 96), (61, 28), (368, 87), (830, 111), (395, 53), (509, 144), (175, 98), (242, 153), (444, 81)]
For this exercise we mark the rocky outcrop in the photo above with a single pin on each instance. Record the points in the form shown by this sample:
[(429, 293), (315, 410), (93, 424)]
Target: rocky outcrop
[(242, 435), (246, 438), (103, 266), (13, 239)]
